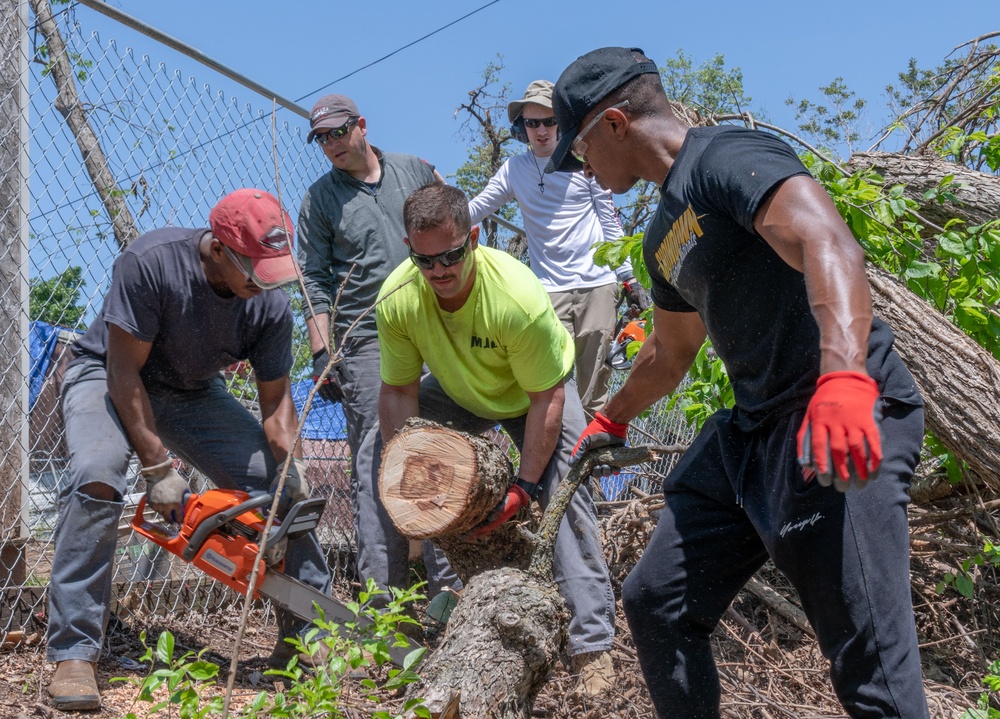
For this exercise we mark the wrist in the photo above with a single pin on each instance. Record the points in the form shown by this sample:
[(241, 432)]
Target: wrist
[(529, 488), (841, 375), (618, 428), (156, 469)]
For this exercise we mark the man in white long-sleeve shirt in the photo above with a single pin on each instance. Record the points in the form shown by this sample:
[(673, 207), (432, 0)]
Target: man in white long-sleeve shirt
[(564, 214)]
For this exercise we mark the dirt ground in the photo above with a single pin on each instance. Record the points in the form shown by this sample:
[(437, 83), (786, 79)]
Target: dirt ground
[(769, 667)]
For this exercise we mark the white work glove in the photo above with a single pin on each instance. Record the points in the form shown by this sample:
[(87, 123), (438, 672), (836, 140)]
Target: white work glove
[(296, 486), (165, 490)]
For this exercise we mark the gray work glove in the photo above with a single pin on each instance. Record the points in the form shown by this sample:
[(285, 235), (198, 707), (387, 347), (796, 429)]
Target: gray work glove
[(635, 294), (296, 486), (330, 387), (165, 490)]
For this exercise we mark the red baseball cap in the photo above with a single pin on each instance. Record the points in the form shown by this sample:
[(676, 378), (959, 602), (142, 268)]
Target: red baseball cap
[(252, 224)]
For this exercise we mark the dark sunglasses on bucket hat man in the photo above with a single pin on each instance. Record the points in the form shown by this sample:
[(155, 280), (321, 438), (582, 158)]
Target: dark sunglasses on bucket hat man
[(588, 80)]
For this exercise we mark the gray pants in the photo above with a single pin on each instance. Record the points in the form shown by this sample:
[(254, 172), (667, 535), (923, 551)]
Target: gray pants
[(210, 430), (360, 380), (589, 316), (579, 568)]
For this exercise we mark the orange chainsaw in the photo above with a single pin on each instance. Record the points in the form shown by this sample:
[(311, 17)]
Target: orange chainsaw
[(220, 535), (632, 331)]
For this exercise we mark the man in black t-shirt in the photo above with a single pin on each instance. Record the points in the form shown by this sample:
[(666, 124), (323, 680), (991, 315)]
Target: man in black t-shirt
[(746, 248), (184, 304)]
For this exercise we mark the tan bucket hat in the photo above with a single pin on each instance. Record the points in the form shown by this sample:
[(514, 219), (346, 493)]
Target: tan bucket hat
[(538, 92)]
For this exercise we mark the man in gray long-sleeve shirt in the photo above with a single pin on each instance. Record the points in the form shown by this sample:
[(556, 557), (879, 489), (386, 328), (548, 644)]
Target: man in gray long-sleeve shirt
[(350, 238)]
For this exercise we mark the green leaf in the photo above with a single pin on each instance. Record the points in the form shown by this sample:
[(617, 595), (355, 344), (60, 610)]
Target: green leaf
[(953, 245), (380, 653), (921, 270), (965, 585), (414, 658), (203, 670), (165, 647)]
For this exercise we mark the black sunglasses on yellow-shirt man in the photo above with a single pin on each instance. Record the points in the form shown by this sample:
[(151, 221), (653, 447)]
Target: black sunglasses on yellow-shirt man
[(447, 259)]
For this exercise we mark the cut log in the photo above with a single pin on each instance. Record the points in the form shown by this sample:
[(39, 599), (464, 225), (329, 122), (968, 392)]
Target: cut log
[(960, 381), (439, 483)]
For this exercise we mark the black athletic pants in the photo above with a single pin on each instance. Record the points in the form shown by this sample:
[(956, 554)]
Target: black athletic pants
[(736, 499)]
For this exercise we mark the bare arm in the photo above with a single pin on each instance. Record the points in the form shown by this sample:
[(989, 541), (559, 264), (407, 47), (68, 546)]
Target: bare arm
[(800, 222), (660, 365), (396, 404), (542, 427), (126, 357), (279, 416)]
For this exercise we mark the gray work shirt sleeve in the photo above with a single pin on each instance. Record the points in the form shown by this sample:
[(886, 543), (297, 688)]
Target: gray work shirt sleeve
[(315, 251)]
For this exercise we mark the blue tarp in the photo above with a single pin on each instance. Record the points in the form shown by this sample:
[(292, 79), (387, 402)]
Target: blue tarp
[(326, 419), (42, 339)]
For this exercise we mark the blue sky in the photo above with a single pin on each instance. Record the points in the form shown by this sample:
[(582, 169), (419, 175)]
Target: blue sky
[(784, 49)]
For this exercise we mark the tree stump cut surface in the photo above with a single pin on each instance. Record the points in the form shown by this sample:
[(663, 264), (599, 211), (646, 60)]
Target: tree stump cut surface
[(436, 481)]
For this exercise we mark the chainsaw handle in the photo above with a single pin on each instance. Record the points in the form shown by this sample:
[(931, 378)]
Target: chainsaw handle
[(302, 517), (210, 524), (140, 508), (138, 519)]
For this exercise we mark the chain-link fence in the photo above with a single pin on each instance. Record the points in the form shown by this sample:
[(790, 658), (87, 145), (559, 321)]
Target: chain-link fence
[(173, 146)]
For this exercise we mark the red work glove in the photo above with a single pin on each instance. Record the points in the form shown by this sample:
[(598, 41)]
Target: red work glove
[(601, 432), (514, 501), (839, 440)]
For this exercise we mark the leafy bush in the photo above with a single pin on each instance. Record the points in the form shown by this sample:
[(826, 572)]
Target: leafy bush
[(323, 690)]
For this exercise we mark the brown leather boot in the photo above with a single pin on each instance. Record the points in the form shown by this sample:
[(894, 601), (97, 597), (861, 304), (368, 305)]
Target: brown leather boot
[(597, 674), (74, 686)]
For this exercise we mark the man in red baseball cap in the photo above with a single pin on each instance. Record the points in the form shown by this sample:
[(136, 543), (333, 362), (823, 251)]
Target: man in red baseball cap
[(146, 379)]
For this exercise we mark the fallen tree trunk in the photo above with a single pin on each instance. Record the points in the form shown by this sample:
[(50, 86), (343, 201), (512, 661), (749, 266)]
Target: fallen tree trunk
[(976, 194), (510, 626), (960, 381)]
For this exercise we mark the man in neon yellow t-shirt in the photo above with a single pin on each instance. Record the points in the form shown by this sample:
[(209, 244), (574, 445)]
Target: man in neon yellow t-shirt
[(497, 353)]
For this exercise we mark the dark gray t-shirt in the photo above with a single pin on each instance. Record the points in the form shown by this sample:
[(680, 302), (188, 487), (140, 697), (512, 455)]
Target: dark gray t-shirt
[(159, 294)]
